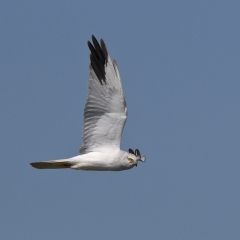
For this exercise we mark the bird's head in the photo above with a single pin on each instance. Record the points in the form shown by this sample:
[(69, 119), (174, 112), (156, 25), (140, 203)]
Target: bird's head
[(134, 157)]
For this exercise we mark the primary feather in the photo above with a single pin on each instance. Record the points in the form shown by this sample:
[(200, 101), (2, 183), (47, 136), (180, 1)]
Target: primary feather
[(105, 111)]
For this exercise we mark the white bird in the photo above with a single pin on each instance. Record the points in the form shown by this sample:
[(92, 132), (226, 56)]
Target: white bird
[(105, 114)]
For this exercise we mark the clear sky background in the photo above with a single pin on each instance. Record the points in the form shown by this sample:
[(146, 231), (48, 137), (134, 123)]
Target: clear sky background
[(180, 67)]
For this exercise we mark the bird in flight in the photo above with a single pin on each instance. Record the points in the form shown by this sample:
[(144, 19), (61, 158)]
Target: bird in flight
[(105, 114)]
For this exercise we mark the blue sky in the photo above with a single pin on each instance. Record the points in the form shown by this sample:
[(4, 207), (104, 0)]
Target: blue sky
[(179, 64)]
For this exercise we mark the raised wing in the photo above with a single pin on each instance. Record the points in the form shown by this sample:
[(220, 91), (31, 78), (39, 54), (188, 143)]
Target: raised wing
[(105, 111)]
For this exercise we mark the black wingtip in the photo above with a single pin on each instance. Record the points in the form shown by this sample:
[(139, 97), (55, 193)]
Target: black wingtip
[(131, 151), (104, 48), (98, 58), (137, 153)]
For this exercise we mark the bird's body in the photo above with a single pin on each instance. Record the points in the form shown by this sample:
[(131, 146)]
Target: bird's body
[(103, 161), (95, 161), (104, 117)]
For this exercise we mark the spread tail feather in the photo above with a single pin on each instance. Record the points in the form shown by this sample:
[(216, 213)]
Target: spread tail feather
[(54, 164)]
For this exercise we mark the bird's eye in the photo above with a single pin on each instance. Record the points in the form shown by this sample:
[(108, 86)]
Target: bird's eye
[(130, 160)]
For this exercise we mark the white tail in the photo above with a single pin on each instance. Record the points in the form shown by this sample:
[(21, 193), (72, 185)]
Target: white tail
[(54, 164)]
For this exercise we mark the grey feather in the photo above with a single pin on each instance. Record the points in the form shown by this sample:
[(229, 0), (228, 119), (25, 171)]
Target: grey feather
[(105, 112)]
